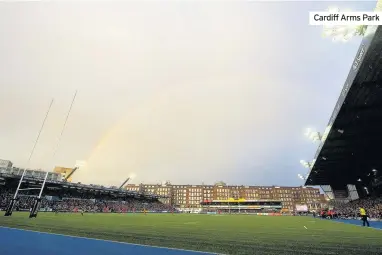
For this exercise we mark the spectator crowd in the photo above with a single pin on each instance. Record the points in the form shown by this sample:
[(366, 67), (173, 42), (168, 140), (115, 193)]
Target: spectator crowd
[(372, 205), (89, 201), (83, 201)]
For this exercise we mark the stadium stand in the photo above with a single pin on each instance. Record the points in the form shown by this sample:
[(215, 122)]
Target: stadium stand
[(70, 197), (373, 205), (347, 164)]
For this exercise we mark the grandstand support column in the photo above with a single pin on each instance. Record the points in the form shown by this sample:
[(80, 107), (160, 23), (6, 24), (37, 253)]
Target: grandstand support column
[(328, 191), (11, 205), (37, 201)]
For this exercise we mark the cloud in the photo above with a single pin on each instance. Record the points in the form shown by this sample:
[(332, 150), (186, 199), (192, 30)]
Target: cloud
[(188, 92), (190, 132)]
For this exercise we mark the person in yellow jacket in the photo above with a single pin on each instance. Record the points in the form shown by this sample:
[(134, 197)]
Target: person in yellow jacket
[(363, 214)]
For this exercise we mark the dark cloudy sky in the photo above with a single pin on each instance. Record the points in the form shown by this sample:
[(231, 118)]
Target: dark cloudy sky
[(186, 91)]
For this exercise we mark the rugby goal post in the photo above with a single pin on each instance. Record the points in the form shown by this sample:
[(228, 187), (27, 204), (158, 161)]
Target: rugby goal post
[(13, 201)]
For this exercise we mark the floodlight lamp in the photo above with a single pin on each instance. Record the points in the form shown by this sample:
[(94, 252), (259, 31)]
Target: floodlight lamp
[(374, 170), (347, 37), (304, 163), (312, 135), (343, 36), (315, 136), (132, 176), (308, 131), (342, 32), (360, 30), (80, 163)]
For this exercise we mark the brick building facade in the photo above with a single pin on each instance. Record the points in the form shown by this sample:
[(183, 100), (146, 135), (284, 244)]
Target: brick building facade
[(190, 196)]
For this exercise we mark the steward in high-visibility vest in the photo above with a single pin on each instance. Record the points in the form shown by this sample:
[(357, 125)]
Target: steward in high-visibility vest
[(362, 213)]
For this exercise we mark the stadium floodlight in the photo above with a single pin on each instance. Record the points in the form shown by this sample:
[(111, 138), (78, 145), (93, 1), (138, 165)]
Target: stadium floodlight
[(343, 33), (123, 183), (301, 177), (306, 164), (132, 176), (307, 132), (374, 170), (71, 173), (313, 135), (80, 163)]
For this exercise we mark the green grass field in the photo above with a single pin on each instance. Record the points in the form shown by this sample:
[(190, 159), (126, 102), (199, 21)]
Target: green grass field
[(227, 234)]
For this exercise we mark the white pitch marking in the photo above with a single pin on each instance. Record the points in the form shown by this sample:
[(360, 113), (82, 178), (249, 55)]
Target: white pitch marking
[(305, 227)]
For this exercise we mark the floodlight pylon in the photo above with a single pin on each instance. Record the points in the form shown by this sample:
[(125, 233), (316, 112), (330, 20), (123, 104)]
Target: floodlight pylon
[(313, 135)]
